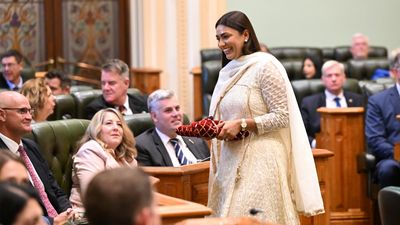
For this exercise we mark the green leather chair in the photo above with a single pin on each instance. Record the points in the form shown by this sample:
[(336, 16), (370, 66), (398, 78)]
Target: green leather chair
[(82, 99), (57, 142), (65, 108), (76, 88), (306, 87)]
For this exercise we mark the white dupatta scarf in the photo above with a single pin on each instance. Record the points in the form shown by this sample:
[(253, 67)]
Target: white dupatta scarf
[(304, 181)]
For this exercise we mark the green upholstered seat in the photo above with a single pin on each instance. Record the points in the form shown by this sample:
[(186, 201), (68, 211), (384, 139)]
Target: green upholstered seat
[(65, 108), (57, 142)]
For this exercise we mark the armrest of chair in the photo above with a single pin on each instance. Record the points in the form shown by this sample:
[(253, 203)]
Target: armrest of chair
[(365, 162)]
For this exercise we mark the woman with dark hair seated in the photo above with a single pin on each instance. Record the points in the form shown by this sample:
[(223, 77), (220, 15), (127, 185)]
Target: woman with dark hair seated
[(311, 68), (19, 205)]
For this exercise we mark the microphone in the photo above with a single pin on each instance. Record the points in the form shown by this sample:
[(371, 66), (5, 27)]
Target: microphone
[(255, 211)]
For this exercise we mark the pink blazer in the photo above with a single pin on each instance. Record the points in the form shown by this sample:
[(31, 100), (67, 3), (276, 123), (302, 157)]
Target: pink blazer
[(90, 159)]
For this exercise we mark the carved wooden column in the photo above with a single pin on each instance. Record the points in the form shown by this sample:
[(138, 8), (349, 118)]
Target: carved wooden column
[(342, 132), (197, 93)]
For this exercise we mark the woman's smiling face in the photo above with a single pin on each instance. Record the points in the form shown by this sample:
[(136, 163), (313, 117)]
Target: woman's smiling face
[(230, 41)]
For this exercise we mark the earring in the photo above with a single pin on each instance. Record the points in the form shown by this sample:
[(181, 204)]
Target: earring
[(245, 40)]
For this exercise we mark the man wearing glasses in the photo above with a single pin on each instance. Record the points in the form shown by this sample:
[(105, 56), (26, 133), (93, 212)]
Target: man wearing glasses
[(15, 121), (382, 129), (11, 68)]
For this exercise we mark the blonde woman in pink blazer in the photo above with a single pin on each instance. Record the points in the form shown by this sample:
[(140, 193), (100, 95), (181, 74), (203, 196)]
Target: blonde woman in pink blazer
[(108, 143)]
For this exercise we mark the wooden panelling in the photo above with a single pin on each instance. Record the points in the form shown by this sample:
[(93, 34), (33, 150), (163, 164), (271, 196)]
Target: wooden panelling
[(321, 158), (173, 210), (188, 182), (146, 80), (342, 132), (197, 93)]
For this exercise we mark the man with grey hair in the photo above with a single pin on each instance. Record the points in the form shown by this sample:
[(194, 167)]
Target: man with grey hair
[(382, 129), (114, 85), (161, 146), (359, 46), (333, 78)]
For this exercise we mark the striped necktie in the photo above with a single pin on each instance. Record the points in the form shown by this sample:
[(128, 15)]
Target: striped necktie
[(179, 153), (51, 211)]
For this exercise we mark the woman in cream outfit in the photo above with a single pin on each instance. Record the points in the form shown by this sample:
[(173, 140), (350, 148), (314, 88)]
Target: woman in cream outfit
[(272, 169), (108, 143)]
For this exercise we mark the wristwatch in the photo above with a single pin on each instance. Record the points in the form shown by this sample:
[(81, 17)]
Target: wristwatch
[(243, 124)]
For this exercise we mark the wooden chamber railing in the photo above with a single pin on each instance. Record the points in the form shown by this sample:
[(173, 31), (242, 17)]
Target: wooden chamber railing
[(146, 80)]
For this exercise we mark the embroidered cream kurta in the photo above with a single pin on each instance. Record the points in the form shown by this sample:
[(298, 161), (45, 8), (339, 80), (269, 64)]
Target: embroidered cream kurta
[(273, 169)]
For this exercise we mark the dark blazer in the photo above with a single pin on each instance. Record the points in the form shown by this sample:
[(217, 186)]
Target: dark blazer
[(3, 82), (137, 103), (312, 118), (382, 130), (152, 152), (56, 195)]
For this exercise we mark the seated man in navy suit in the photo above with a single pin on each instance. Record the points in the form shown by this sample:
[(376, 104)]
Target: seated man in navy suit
[(382, 129), (161, 146), (11, 62), (334, 96), (15, 121), (114, 85)]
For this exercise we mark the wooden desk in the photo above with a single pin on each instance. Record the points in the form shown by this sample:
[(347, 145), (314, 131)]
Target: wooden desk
[(342, 132), (173, 210), (321, 158), (244, 220), (188, 182)]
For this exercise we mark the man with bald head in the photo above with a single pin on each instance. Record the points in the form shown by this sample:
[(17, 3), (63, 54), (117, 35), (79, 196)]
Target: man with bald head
[(15, 121)]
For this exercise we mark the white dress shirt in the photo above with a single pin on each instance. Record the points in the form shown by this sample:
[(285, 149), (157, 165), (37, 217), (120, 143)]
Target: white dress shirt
[(171, 150)]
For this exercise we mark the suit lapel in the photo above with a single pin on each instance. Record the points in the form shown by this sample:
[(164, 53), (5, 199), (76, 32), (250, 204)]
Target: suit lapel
[(192, 147), (322, 100), (2, 144), (395, 99), (349, 100), (161, 148)]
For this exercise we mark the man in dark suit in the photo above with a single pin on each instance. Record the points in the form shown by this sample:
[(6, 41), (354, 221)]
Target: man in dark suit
[(15, 121), (11, 62), (160, 146), (115, 84), (334, 96), (382, 129)]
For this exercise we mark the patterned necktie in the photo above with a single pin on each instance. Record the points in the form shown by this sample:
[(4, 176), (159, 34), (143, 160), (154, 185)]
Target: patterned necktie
[(37, 183), (122, 109), (179, 153), (337, 100)]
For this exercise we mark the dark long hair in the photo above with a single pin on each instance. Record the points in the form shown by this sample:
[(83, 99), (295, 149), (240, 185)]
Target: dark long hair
[(239, 21), (317, 64), (13, 199)]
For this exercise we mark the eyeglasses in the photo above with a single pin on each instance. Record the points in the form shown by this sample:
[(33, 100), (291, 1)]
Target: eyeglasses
[(21, 111)]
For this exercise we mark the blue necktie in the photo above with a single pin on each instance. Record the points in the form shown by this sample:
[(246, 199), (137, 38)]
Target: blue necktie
[(337, 100), (179, 153)]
